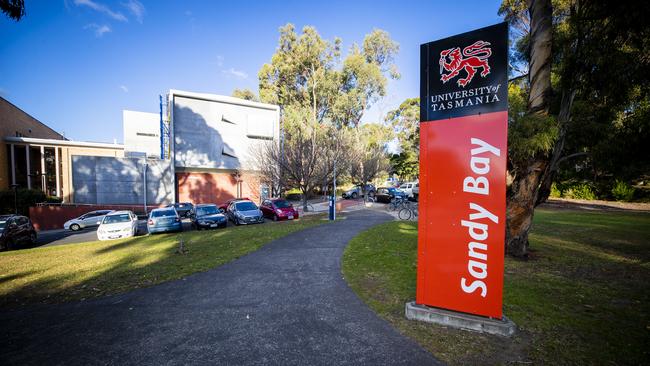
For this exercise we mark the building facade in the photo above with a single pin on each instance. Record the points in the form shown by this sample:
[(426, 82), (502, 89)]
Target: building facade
[(14, 122), (214, 139)]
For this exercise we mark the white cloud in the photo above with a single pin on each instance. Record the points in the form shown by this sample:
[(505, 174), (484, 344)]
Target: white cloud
[(236, 73), (102, 9), (124, 88), (219, 60), (136, 8), (98, 29)]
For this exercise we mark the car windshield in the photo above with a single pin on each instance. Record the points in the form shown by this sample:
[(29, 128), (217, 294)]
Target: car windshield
[(245, 206), (206, 210), (392, 190), (114, 219), (282, 204), (163, 213)]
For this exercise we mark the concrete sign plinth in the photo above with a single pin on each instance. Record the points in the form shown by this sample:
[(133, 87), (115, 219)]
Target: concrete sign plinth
[(504, 327)]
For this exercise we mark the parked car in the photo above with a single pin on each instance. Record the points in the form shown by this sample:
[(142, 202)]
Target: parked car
[(184, 209), (278, 209), (416, 191), (15, 231), (356, 191), (162, 220), (408, 188), (244, 212), (224, 206), (118, 225), (89, 219), (387, 194), (207, 216)]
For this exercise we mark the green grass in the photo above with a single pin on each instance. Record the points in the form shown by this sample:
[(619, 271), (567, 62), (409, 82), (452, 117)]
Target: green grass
[(583, 298), (87, 270)]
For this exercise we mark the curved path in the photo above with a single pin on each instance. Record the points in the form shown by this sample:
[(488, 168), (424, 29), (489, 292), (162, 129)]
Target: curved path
[(285, 304)]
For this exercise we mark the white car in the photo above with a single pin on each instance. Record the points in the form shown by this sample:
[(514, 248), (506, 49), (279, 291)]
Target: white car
[(92, 218), (118, 225), (408, 188)]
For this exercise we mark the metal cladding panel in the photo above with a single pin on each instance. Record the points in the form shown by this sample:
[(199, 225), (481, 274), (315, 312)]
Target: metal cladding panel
[(219, 135), (110, 180), (463, 148)]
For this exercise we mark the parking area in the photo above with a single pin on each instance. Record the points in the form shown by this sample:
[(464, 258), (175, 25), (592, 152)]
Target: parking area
[(62, 236)]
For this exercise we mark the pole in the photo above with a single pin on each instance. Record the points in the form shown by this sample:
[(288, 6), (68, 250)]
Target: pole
[(162, 130), (334, 192), (145, 186)]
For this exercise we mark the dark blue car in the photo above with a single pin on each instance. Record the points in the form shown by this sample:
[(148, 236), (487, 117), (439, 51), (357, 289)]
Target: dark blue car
[(163, 220), (206, 216)]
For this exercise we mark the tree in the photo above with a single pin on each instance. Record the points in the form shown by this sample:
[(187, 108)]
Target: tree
[(246, 94), (405, 122), (367, 156), (306, 72), (585, 61), (322, 101), (14, 9)]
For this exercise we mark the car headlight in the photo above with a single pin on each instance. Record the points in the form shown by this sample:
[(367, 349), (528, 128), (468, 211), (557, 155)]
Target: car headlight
[(239, 215), (202, 222), (279, 211)]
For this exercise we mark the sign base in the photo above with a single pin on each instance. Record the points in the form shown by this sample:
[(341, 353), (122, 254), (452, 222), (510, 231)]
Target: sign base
[(504, 327)]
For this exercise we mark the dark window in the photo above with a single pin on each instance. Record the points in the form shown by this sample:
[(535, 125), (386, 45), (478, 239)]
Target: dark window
[(162, 213), (282, 204)]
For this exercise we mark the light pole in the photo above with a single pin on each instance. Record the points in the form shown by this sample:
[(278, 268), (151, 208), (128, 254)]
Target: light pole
[(144, 178)]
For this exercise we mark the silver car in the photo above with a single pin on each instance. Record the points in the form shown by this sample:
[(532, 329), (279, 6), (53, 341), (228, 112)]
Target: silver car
[(90, 219), (244, 212)]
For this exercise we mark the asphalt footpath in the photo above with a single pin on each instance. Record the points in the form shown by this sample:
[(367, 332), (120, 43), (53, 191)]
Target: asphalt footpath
[(285, 304)]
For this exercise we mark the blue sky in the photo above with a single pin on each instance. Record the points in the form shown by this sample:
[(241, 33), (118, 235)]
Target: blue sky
[(76, 64)]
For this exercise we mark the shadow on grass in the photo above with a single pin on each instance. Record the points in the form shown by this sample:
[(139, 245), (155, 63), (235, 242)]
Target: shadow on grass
[(88, 270)]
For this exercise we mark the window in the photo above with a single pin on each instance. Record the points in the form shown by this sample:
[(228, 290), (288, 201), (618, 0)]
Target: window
[(282, 204), (114, 219), (146, 134), (162, 213), (246, 206)]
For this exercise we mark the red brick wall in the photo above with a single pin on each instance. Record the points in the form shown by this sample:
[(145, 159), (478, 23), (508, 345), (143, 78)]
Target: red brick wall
[(215, 187), (53, 217)]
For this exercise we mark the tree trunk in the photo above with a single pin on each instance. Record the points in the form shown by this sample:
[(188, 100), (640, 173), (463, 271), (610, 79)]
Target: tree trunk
[(524, 189), (521, 200)]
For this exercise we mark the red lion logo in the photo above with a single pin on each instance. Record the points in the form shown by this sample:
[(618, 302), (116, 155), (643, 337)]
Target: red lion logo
[(472, 58)]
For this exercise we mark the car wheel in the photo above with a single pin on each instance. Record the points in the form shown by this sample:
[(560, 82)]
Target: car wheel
[(355, 195), (32, 238), (275, 218), (75, 227)]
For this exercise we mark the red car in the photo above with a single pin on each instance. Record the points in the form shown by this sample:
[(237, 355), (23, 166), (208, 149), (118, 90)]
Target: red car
[(278, 209), (225, 205)]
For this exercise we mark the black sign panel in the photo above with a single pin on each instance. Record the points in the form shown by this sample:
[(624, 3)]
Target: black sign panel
[(465, 74)]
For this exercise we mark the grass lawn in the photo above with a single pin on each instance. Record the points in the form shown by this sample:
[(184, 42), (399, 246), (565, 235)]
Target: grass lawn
[(81, 271), (583, 298)]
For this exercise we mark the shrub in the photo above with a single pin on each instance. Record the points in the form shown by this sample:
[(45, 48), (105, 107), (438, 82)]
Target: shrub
[(581, 191), (555, 191), (622, 191), (24, 199)]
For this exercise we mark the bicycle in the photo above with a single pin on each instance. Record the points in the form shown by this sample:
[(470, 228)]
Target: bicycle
[(408, 212), (397, 202)]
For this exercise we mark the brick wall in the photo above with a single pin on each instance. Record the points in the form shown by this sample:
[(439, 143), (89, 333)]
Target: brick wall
[(53, 217), (216, 187), (14, 120)]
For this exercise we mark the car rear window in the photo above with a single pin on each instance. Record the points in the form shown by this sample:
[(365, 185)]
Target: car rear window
[(113, 219), (206, 210), (163, 213)]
